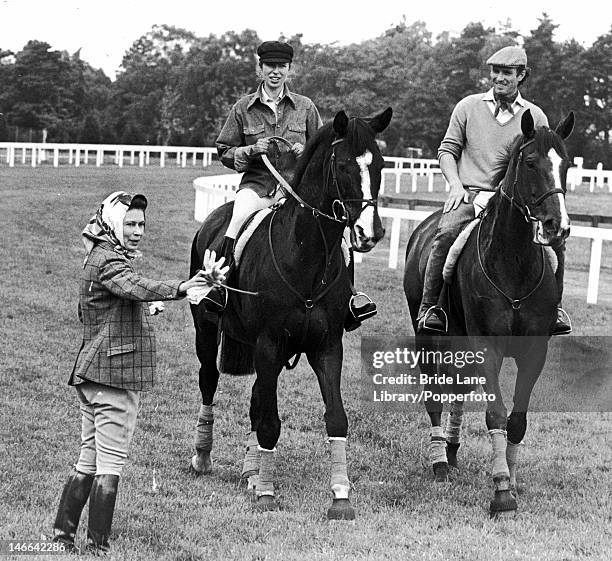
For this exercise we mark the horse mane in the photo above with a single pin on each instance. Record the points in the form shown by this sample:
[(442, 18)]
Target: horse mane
[(544, 139), (359, 135)]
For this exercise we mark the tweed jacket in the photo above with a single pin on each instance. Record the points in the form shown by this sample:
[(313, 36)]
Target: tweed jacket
[(118, 347), (296, 119)]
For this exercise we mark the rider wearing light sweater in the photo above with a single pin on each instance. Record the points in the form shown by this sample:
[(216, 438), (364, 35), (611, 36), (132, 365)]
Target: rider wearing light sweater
[(481, 129)]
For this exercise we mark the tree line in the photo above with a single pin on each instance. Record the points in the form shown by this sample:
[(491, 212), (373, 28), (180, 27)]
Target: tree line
[(175, 88)]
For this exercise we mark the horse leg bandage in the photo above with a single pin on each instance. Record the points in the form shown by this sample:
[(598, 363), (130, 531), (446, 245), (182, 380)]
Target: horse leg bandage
[(512, 457), (453, 423), (340, 485), (251, 462), (204, 429), (499, 443), (437, 446), (265, 484)]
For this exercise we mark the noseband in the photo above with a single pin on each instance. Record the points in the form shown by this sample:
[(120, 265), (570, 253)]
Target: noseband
[(521, 205)]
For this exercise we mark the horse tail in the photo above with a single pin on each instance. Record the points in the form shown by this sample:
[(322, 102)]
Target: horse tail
[(235, 357)]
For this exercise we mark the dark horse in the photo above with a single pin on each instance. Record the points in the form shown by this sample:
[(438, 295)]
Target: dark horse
[(295, 264), (503, 296)]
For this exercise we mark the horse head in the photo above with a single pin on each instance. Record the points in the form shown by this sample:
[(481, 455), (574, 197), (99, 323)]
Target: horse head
[(535, 180), (356, 167)]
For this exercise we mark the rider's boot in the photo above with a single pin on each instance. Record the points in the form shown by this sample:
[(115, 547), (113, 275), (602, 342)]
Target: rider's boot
[(216, 300), (431, 317), (563, 324), (74, 496)]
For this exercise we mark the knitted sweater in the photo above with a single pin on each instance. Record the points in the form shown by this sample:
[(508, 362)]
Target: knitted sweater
[(478, 141)]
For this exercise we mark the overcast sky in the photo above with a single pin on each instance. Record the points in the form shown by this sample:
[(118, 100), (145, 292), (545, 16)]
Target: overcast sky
[(105, 29)]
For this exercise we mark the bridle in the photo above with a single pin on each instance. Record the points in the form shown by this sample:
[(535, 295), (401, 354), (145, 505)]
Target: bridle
[(521, 205), (332, 173)]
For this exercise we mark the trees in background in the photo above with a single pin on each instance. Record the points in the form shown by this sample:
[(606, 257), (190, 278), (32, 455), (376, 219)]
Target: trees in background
[(176, 88)]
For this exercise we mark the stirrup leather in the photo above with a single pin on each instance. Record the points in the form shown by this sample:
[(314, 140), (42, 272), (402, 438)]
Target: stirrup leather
[(363, 311), (421, 326)]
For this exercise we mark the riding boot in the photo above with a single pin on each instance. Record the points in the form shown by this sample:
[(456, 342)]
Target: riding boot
[(74, 496), (563, 324), (358, 312), (216, 300), (432, 318), (101, 511)]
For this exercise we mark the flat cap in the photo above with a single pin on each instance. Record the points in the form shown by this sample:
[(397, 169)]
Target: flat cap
[(509, 56), (275, 51)]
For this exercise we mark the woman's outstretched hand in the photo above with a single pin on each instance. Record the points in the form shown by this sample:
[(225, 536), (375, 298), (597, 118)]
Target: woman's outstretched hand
[(212, 272)]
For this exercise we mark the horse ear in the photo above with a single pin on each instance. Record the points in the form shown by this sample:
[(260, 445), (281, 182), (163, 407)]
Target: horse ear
[(565, 127), (381, 121), (340, 123), (527, 124)]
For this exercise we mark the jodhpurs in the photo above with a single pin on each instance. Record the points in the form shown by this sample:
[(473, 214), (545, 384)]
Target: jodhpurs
[(246, 203), (108, 420)]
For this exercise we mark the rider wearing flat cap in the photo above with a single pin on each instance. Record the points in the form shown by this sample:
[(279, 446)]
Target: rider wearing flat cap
[(481, 127), (271, 111)]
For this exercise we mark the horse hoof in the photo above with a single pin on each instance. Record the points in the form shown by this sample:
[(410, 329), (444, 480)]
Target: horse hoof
[(341, 509), (503, 502), (201, 464), (266, 503), (451, 454), (440, 470)]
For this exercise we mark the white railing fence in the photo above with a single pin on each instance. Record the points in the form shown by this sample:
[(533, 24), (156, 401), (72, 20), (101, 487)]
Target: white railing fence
[(419, 167), (214, 190), (36, 154)]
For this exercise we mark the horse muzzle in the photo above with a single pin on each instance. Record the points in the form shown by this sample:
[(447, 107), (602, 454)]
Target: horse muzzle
[(361, 242), (549, 232)]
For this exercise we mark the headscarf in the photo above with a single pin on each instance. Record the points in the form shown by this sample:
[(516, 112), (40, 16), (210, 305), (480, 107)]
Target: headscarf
[(107, 224)]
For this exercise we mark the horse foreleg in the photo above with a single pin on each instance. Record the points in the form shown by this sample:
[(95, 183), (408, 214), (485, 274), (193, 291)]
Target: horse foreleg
[(437, 440), (208, 378), (252, 457), (503, 499), (530, 365), (453, 432), (268, 365), (327, 365)]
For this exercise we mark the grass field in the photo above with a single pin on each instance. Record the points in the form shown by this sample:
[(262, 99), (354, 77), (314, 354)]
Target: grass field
[(165, 512)]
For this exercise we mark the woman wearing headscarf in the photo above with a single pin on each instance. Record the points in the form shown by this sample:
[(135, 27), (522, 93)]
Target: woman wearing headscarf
[(116, 360)]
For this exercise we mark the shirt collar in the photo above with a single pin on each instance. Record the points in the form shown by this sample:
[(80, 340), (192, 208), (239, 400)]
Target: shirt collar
[(259, 95), (488, 96)]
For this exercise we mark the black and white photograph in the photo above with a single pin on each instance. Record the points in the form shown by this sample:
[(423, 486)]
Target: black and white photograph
[(306, 281)]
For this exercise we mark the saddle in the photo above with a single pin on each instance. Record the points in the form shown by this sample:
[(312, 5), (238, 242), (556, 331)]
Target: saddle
[(253, 221), (459, 244)]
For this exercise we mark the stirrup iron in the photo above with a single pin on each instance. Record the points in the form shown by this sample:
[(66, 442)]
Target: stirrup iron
[(365, 310)]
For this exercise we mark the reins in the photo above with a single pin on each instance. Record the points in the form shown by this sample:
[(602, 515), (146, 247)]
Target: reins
[(316, 213), (283, 182), (514, 302), (524, 209)]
